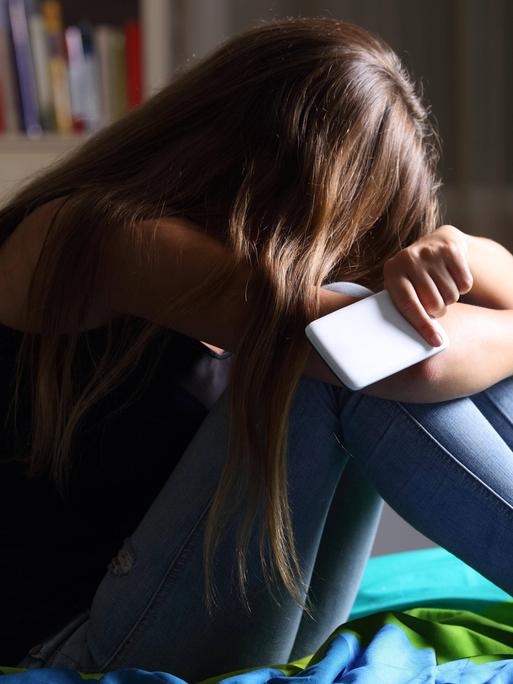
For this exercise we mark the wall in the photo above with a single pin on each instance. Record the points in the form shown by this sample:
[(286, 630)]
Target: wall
[(458, 50)]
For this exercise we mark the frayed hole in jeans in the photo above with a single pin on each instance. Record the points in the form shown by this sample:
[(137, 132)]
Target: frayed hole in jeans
[(124, 560)]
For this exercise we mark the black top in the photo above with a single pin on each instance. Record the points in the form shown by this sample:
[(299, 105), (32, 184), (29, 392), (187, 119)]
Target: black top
[(55, 551)]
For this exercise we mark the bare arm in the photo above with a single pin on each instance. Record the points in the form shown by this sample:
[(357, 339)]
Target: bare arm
[(130, 284), (491, 265), (480, 329), (480, 352)]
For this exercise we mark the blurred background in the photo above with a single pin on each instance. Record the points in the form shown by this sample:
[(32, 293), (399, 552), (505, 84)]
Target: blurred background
[(70, 66), (461, 53)]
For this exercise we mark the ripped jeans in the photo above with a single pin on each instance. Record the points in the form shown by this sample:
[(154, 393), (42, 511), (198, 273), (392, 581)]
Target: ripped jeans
[(447, 468)]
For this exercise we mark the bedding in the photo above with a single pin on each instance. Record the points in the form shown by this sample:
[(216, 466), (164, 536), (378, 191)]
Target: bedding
[(420, 617)]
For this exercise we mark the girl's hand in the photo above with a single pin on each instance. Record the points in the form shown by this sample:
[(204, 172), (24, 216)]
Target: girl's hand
[(425, 277)]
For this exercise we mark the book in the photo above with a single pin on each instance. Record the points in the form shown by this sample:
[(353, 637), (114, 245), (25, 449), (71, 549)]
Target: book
[(10, 103), (75, 52), (42, 72), (109, 42), (92, 108), (2, 119), (133, 65), (23, 60), (58, 65), (101, 43), (117, 72), (65, 79)]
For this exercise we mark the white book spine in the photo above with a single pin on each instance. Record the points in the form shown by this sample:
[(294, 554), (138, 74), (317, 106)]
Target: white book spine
[(76, 71), (92, 110), (157, 20)]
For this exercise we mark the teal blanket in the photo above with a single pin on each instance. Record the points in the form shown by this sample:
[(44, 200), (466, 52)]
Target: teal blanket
[(420, 617)]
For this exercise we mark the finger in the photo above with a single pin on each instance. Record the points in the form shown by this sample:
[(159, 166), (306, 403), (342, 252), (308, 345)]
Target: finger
[(405, 298), (445, 282), (436, 288), (462, 276), (457, 265), (428, 293)]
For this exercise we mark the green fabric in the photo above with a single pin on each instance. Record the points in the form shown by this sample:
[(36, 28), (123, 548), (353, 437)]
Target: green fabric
[(452, 634), (457, 612)]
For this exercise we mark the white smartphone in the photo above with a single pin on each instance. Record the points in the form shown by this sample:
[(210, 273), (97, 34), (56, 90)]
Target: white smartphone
[(369, 340)]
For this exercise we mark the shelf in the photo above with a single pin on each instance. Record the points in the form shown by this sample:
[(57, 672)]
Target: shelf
[(53, 143), (158, 19), (22, 155)]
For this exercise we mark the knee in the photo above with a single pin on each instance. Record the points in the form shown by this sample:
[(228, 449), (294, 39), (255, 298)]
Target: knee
[(312, 395)]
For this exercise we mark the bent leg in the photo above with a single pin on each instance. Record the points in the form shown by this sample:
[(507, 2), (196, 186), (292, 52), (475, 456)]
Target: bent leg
[(149, 610), (346, 545), (444, 468), (496, 403)]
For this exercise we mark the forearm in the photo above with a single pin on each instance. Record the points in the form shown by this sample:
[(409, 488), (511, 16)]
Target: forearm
[(480, 354), (315, 367), (491, 265)]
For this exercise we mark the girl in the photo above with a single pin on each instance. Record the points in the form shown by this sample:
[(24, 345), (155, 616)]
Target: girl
[(185, 485)]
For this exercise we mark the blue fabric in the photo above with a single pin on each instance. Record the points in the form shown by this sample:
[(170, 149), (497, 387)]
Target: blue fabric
[(447, 468), (389, 658), (454, 485), (372, 650)]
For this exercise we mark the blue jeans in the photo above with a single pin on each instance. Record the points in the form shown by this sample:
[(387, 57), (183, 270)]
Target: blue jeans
[(447, 468)]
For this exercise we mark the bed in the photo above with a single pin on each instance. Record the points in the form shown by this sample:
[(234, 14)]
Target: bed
[(419, 617)]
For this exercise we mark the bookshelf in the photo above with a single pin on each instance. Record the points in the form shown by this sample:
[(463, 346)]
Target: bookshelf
[(443, 43), (21, 155)]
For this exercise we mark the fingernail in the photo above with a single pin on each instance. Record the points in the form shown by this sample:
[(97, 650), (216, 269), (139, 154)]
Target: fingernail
[(437, 340)]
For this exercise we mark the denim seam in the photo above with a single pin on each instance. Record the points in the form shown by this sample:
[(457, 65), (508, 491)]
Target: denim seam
[(139, 624), (379, 437), (496, 406), (487, 489)]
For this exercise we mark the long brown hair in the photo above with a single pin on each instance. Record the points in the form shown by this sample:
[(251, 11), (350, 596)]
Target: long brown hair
[(302, 145)]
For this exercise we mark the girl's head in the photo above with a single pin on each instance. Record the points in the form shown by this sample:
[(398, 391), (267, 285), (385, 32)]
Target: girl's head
[(302, 145)]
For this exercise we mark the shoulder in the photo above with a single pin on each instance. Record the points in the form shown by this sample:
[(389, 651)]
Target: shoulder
[(147, 267), (19, 255), (164, 270)]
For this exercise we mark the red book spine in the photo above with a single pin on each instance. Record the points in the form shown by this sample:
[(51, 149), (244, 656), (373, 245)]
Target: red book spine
[(133, 62)]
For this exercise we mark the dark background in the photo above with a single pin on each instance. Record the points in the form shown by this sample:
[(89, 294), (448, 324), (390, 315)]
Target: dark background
[(461, 54), (458, 51)]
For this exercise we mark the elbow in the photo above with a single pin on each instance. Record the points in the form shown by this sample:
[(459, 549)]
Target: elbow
[(427, 381), (428, 372), (416, 384)]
